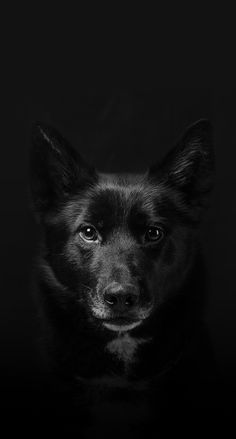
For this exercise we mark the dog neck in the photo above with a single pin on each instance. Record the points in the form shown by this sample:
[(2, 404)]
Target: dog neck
[(124, 348)]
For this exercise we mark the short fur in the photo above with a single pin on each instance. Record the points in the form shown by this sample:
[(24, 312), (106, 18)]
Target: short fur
[(121, 313)]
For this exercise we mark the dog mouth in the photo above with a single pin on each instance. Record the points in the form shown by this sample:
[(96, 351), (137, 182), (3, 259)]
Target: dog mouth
[(121, 324)]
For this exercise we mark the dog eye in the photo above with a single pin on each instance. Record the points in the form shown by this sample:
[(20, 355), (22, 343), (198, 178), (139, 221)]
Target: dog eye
[(153, 234), (88, 233)]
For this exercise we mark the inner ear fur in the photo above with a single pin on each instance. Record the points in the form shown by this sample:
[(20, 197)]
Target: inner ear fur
[(189, 166), (56, 168)]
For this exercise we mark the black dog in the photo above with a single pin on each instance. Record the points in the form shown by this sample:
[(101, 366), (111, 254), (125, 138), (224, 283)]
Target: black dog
[(120, 275)]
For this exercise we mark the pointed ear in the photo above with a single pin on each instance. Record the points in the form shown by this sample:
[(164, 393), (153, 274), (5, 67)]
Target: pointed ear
[(189, 167), (56, 169)]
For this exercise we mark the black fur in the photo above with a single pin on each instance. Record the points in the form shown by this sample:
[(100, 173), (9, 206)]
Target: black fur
[(122, 277)]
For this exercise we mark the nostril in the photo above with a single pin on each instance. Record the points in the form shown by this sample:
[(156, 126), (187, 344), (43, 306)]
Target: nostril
[(120, 297), (130, 300), (110, 299)]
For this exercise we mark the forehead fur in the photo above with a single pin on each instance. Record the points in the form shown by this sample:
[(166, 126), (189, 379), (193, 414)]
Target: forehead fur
[(115, 195)]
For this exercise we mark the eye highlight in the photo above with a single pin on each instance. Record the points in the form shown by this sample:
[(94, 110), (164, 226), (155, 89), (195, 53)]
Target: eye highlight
[(153, 234), (89, 234)]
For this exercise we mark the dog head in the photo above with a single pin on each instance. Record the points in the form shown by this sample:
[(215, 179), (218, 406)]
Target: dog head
[(119, 245)]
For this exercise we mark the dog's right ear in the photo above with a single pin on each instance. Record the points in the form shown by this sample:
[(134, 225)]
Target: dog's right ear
[(56, 169)]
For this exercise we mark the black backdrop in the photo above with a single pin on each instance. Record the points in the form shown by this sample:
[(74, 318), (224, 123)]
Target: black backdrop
[(116, 129)]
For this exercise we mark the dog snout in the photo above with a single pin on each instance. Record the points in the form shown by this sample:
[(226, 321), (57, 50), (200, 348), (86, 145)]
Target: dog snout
[(121, 297)]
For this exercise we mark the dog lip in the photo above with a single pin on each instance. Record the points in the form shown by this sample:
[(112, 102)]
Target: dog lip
[(121, 321), (121, 327)]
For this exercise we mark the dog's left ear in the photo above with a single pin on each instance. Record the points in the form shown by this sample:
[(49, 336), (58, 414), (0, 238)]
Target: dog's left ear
[(189, 167)]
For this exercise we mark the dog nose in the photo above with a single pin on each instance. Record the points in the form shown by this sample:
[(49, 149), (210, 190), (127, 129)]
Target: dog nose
[(121, 297)]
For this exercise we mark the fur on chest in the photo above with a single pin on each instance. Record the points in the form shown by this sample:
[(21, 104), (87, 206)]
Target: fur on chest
[(125, 348)]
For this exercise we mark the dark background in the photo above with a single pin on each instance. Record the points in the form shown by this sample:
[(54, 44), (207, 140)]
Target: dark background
[(117, 129), (121, 86)]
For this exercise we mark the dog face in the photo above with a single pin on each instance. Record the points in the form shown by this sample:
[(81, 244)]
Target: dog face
[(119, 245)]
